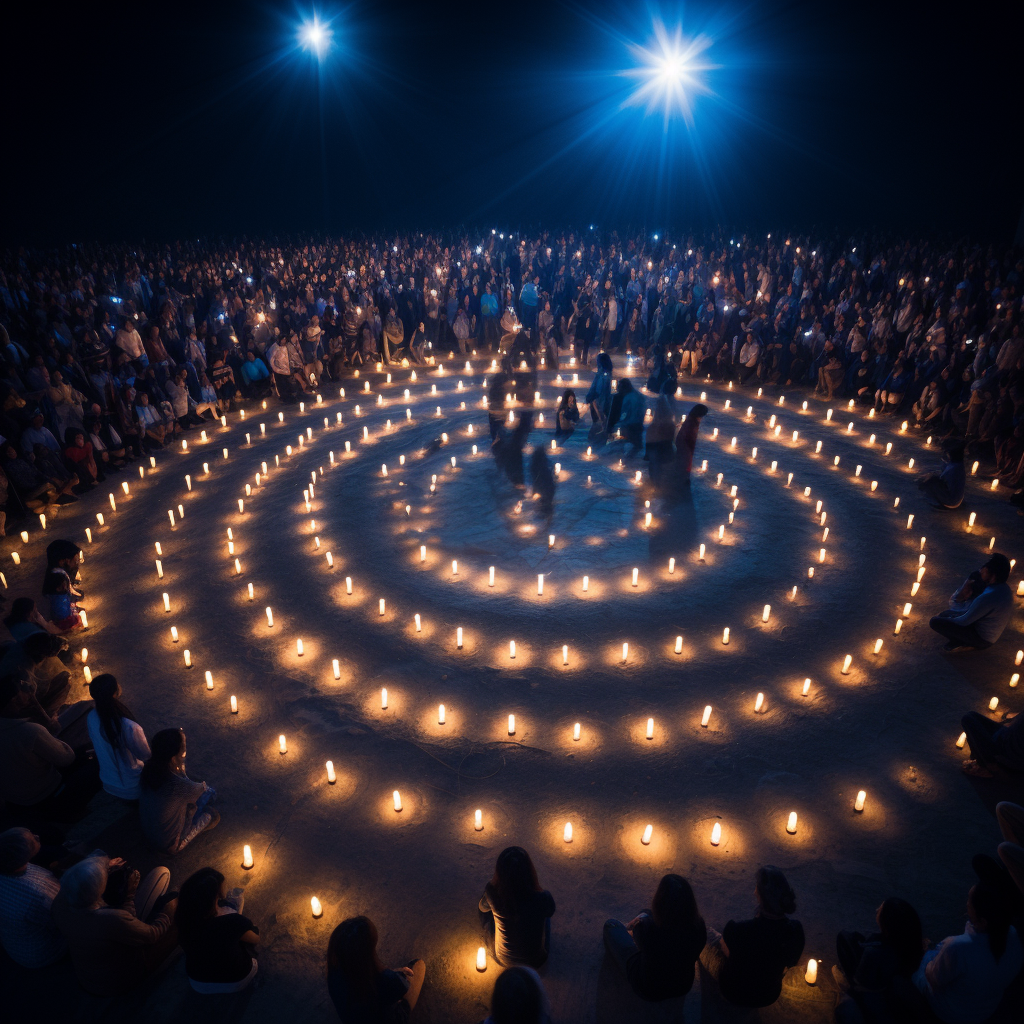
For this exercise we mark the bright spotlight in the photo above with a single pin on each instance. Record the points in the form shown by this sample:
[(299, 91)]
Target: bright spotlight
[(315, 36), (669, 72)]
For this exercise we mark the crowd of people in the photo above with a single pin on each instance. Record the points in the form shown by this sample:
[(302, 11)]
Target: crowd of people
[(110, 353)]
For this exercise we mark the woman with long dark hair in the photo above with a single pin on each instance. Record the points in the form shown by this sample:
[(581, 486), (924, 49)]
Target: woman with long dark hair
[(216, 938), (658, 949), (119, 741), (362, 989), (172, 808), (567, 417), (517, 911)]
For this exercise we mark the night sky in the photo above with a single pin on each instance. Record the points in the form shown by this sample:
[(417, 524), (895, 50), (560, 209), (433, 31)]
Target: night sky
[(168, 119)]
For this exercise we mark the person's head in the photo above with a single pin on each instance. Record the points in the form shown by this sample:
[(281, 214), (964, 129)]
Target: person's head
[(106, 692), (623, 386), (167, 754), (774, 894), (515, 877), (21, 609), (698, 412), (996, 569), (568, 399), (352, 953), (40, 646), (83, 884), (197, 900), (674, 906), (74, 438), (604, 363), (901, 931), (17, 847), (519, 998), (989, 911)]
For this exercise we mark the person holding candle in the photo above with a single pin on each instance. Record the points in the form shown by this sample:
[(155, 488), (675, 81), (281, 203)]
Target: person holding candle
[(963, 978), (119, 742), (982, 622), (516, 912), (749, 958), (875, 970), (216, 938), (362, 989), (119, 927), (173, 809), (658, 949)]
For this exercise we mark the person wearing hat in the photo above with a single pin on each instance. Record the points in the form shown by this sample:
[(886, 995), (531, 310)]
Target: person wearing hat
[(114, 948), (27, 931), (982, 622)]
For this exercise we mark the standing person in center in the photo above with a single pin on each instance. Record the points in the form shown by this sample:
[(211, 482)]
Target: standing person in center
[(517, 911), (686, 440), (599, 398)]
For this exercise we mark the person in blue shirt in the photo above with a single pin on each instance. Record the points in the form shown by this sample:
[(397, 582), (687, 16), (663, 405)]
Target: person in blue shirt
[(894, 387), (529, 298), (255, 376)]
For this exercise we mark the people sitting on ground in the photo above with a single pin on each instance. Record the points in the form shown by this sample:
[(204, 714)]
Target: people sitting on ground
[(993, 744), (63, 557), (875, 970), (946, 489), (24, 619), (964, 977), (118, 925), (749, 958), (519, 998), (981, 623), (36, 660), (658, 950), (568, 416), (173, 809), (362, 989), (516, 911), (78, 453), (119, 742), (41, 776), (27, 931), (217, 940)]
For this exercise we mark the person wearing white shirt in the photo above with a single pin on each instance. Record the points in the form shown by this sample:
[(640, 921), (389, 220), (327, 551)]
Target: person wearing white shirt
[(129, 340), (120, 743)]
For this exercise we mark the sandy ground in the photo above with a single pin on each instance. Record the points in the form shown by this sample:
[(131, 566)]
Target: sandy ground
[(887, 727)]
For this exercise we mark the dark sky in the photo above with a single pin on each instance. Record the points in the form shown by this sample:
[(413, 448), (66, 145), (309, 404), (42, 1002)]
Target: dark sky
[(165, 119)]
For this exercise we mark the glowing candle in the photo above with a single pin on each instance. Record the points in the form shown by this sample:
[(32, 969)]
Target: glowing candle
[(759, 703), (961, 740), (170, 515), (636, 576), (511, 725), (910, 519), (625, 653), (188, 658), (567, 832), (650, 728), (721, 536), (791, 823), (906, 610), (281, 744), (874, 485), (725, 635), (458, 637), (847, 662), (835, 461), (646, 837), (915, 587), (88, 534), (792, 594), (317, 907), (440, 714), (82, 615), (812, 972), (789, 479), (298, 647), (241, 504), (766, 613), (1020, 655), (706, 717), (455, 567), (174, 635), (234, 704), (209, 681), (806, 688), (810, 572), (878, 646), (238, 567), (225, 452), (775, 466), (970, 521), (821, 555), (701, 553), (247, 857), (381, 606), (753, 453), (565, 654), (993, 704)]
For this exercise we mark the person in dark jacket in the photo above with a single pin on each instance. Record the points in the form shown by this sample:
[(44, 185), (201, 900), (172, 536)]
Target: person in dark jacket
[(658, 949), (517, 911), (749, 958)]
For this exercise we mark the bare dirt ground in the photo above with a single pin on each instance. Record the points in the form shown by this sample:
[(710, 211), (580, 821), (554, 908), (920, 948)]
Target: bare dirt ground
[(888, 726)]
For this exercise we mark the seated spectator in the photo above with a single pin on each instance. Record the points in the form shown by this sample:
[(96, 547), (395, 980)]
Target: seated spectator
[(255, 376), (79, 454), (176, 387), (172, 808), (120, 743), (568, 416), (36, 662), (41, 777), (35, 491), (658, 949), (150, 421), (890, 395), (209, 401), (24, 619), (362, 990), (981, 624), (749, 958), (517, 911), (519, 998), (875, 970), (216, 938), (963, 978), (27, 931), (993, 744), (118, 927), (946, 489), (63, 557), (43, 450)]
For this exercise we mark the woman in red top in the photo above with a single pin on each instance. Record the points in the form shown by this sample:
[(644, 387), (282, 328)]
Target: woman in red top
[(79, 454)]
